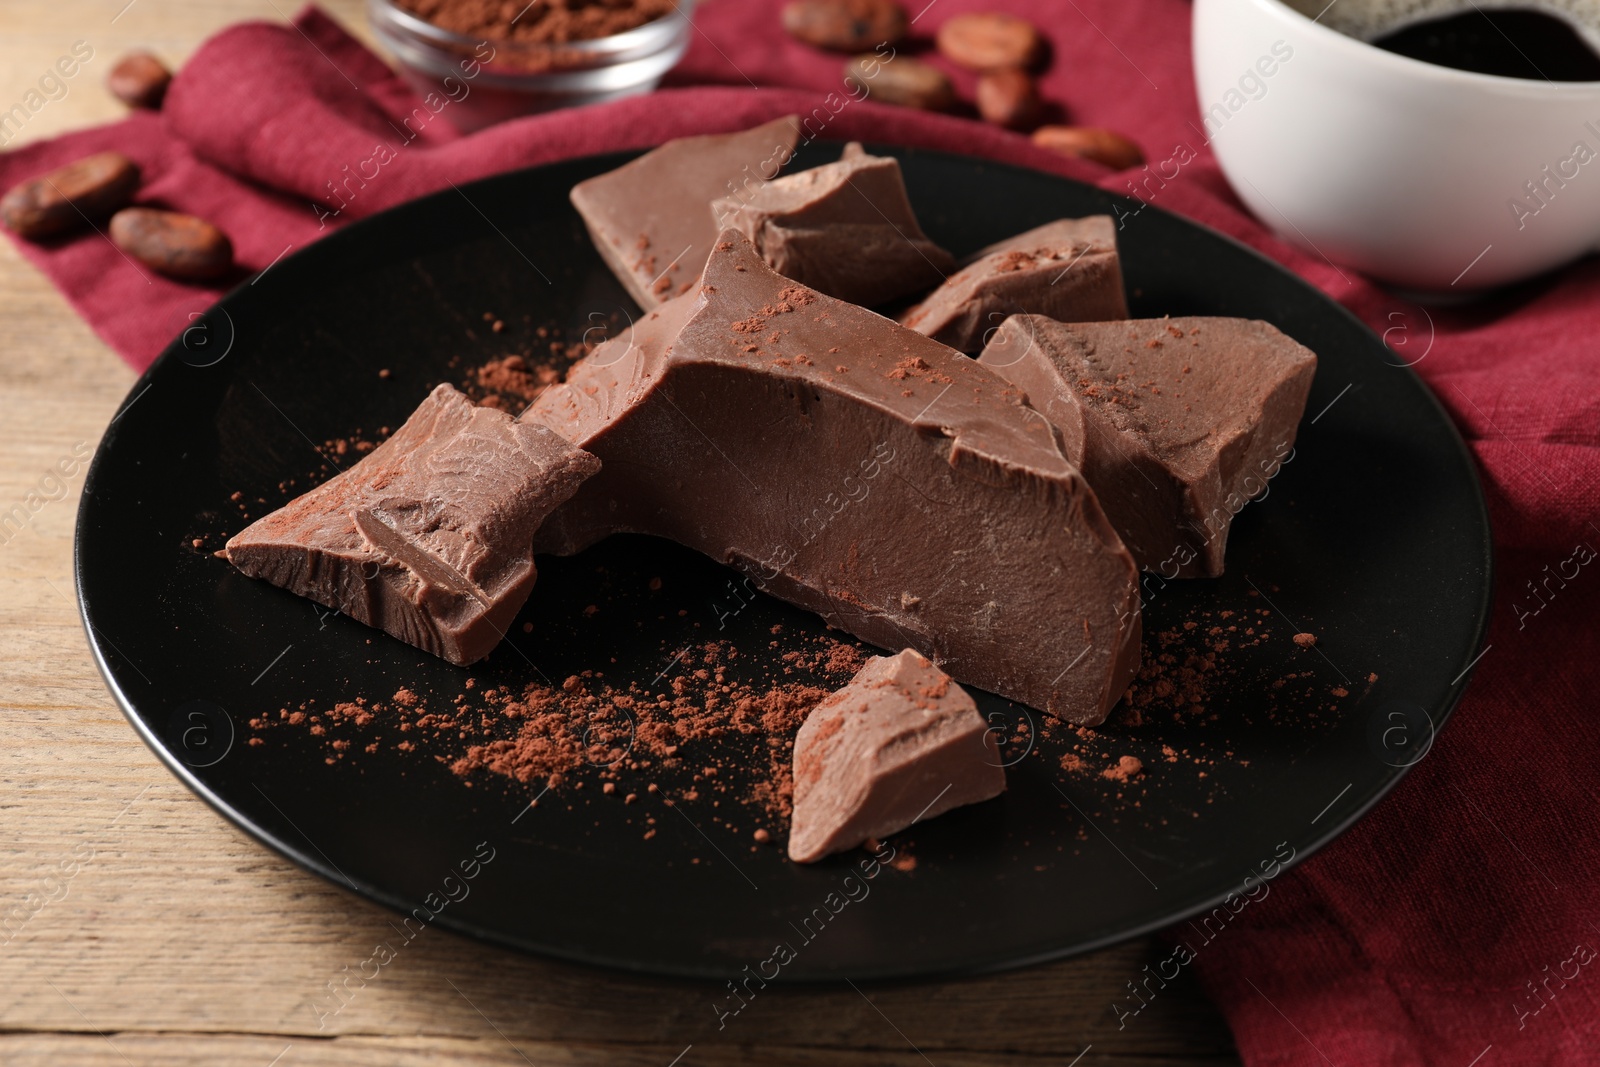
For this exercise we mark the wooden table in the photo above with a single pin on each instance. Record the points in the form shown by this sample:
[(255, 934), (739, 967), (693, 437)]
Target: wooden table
[(140, 928)]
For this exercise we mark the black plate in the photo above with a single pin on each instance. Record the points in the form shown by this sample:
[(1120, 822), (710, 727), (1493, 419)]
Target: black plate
[(1374, 537)]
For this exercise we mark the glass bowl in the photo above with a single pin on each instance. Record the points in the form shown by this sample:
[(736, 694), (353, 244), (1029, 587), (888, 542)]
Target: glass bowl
[(477, 82)]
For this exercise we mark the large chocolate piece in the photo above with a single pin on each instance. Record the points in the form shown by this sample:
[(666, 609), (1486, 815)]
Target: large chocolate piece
[(901, 743), (897, 488), (845, 229), (1177, 423), (430, 536), (650, 218), (1067, 270)]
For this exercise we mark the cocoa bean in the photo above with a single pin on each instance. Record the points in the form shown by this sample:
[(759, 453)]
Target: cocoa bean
[(1009, 98), (177, 245), (990, 40), (904, 81), (845, 25), (70, 197), (1089, 142), (139, 80)]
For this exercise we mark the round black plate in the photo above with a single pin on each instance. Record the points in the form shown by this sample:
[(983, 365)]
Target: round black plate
[(1374, 537)]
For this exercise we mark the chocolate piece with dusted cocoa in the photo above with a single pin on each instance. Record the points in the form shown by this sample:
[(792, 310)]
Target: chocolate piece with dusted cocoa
[(1177, 422), (900, 744), (649, 218), (845, 229), (430, 536), (897, 488), (1067, 270)]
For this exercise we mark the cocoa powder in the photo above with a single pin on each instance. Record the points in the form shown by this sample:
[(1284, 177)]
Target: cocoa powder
[(731, 739), (535, 358), (539, 22)]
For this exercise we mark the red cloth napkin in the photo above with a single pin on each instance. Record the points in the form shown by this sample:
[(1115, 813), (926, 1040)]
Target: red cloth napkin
[(1455, 926)]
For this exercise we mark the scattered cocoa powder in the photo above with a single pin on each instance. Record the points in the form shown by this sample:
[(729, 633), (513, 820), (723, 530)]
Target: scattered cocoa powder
[(513, 380), (513, 376), (903, 861), (732, 739), (1126, 767)]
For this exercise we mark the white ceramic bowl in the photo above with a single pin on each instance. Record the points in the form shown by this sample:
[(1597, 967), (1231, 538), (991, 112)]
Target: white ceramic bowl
[(1432, 179)]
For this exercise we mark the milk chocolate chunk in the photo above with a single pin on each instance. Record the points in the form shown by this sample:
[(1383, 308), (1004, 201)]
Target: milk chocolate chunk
[(1067, 270), (897, 488), (1177, 423), (649, 218), (845, 229), (430, 536), (901, 743)]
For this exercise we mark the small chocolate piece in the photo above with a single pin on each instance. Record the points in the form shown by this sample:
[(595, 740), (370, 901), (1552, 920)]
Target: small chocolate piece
[(845, 25), (901, 743), (430, 536), (139, 80), (1067, 270), (70, 197), (990, 40), (845, 229), (179, 246), (649, 218), (903, 81), (897, 488), (1177, 423), (1106, 147)]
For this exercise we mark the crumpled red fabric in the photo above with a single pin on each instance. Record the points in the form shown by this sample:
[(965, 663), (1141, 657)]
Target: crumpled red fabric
[(1457, 924)]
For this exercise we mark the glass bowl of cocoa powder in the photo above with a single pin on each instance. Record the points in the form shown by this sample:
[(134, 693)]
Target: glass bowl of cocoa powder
[(479, 62)]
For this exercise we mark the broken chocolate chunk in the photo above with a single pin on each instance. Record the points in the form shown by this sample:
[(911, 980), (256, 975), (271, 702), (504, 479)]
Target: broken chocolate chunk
[(430, 536), (1067, 270), (845, 229), (649, 219), (897, 488), (901, 743), (1177, 423)]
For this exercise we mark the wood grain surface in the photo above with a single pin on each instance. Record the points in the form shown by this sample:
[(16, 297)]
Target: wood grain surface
[(140, 928)]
